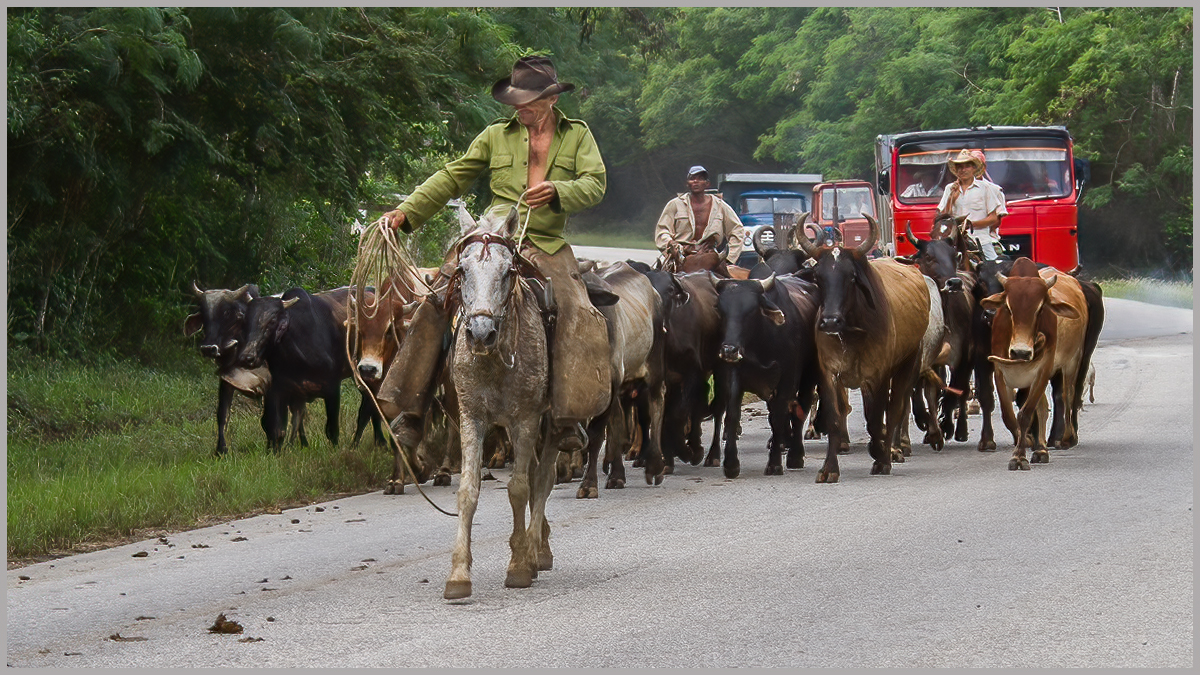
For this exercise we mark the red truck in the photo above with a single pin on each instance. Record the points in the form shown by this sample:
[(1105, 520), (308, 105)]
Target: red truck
[(1035, 166)]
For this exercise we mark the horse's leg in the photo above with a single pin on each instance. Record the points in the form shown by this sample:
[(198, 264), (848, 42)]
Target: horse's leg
[(458, 585), (522, 567), (542, 480)]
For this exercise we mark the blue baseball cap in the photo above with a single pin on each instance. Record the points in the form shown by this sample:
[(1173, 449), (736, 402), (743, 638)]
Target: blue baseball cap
[(697, 169)]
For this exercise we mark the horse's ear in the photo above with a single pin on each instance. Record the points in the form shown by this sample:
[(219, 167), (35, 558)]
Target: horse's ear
[(512, 222)]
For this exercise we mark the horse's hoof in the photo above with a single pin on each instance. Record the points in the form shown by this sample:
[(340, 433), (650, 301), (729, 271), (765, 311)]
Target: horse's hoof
[(881, 469), (456, 590), (587, 492), (519, 578)]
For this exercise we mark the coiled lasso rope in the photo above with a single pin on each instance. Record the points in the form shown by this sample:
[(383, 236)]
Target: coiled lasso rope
[(382, 257)]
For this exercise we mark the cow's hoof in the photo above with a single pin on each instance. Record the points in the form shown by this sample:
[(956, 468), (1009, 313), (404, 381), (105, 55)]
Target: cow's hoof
[(456, 590), (843, 449), (615, 484), (519, 578), (639, 462), (827, 477), (667, 470), (987, 446), (545, 562), (394, 487), (589, 492), (795, 461), (712, 460), (1018, 463), (1040, 457), (897, 456), (1068, 442), (881, 469), (442, 479), (658, 479), (773, 470), (733, 469), (960, 433), (811, 435)]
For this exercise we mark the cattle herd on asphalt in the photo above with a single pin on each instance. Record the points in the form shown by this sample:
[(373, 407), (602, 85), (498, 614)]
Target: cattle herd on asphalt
[(455, 360)]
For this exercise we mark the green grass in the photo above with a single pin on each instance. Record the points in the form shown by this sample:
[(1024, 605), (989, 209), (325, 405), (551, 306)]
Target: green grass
[(1169, 293), (98, 452)]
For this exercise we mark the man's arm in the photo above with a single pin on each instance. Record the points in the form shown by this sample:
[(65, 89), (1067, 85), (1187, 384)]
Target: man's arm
[(947, 202), (450, 182), (587, 188), (664, 231), (736, 233)]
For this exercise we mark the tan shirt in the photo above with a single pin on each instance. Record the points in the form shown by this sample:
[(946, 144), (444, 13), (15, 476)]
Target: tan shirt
[(678, 224)]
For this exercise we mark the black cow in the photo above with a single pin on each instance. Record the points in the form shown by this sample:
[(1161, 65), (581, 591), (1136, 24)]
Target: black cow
[(301, 339), (693, 337), (221, 314), (944, 259), (768, 348)]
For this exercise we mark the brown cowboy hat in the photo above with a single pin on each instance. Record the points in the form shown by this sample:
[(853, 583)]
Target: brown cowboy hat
[(533, 77), (966, 157)]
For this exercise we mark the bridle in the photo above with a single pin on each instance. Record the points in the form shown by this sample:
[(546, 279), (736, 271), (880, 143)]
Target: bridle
[(520, 267)]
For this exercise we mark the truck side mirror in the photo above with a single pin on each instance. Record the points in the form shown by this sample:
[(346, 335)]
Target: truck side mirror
[(883, 183)]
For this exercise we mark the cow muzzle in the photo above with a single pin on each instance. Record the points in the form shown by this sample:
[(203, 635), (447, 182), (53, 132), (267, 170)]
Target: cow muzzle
[(953, 285), (210, 351), (731, 353), (833, 323), (370, 369)]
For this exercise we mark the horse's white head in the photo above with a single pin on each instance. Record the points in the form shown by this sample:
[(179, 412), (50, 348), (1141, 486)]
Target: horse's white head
[(488, 274)]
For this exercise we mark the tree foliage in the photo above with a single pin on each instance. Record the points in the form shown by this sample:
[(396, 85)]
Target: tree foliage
[(152, 147)]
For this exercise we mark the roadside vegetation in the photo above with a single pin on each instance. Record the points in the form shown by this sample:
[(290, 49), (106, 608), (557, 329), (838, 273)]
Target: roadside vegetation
[(1153, 291), (99, 452)]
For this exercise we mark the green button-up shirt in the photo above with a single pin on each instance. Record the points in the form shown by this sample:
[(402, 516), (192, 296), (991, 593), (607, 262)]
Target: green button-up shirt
[(573, 165)]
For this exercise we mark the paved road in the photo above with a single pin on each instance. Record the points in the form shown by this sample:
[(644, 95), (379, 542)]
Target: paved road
[(951, 561)]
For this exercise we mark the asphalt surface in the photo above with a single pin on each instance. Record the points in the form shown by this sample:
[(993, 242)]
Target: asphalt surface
[(951, 561)]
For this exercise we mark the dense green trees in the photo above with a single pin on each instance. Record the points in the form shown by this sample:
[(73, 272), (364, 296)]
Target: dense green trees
[(150, 147)]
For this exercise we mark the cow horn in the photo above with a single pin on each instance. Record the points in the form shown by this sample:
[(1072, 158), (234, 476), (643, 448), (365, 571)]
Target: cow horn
[(243, 291), (873, 237), (912, 238), (1051, 281), (756, 240), (1002, 279), (288, 303), (196, 289), (803, 241), (800, 220), (768, 283)]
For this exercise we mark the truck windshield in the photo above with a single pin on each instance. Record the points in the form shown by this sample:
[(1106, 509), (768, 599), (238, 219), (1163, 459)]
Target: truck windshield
[(851, 203), (773, 205), (1023, 167)]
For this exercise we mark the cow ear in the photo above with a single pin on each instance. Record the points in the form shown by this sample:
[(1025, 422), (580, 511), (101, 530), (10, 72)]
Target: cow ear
[(192, 324), (905, 259), (281, 327), (1064, 309), (993, 301), (772, 311), (868, 294)]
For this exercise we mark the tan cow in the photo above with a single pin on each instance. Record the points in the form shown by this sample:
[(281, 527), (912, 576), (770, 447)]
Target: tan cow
[(874, 315), (1038, 332)]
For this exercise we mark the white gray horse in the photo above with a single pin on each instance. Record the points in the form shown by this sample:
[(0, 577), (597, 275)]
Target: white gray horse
[(500, 371)]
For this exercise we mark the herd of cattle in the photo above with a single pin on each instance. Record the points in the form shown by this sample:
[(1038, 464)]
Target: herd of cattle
[(810, 322)]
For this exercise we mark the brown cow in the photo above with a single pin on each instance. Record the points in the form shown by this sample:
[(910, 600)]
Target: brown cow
[(1038, 332), (874, 314)]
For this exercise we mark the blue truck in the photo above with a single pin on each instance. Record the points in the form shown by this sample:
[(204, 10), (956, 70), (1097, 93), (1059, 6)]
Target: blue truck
[(758, 197)]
